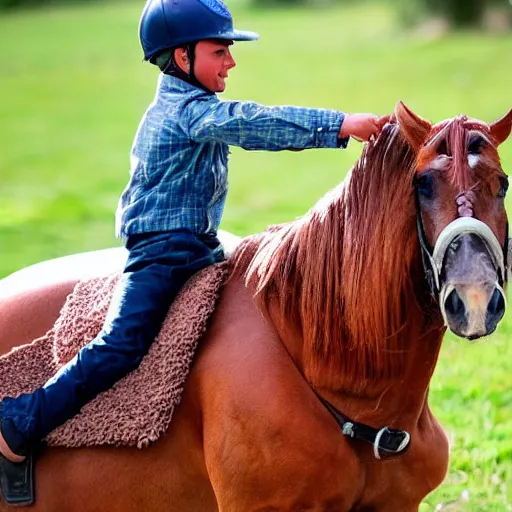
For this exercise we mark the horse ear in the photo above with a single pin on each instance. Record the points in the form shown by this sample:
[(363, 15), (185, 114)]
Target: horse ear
[(500, 129), (414, 128)]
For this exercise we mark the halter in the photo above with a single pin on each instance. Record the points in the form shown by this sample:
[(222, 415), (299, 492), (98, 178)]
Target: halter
[(465, 224), (395, 441)]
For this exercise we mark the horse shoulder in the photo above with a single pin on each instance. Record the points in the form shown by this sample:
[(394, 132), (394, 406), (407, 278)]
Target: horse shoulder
[(264, 429)]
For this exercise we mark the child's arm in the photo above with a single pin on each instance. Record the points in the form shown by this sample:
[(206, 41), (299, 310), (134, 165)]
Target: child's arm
[(254, 126)]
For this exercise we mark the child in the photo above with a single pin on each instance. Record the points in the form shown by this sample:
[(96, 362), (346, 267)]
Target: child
[(170, 211)]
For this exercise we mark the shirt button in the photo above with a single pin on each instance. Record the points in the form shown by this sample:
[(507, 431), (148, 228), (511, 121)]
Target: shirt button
[(319, 129)]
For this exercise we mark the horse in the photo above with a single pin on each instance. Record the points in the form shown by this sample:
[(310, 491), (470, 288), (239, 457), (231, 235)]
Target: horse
[(309, 391)]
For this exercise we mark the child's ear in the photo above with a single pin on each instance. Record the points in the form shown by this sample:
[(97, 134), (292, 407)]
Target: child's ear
[(182, 60)]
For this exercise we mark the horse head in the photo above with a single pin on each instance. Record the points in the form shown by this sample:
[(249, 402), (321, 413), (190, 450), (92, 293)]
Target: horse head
[(462, 224)]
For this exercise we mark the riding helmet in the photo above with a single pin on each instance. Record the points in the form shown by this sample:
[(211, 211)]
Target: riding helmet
[(169, 23)]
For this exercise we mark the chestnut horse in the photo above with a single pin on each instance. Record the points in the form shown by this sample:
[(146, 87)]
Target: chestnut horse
[(328, 330)]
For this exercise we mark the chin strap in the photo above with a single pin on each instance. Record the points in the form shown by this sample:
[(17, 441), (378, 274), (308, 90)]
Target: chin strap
[(169, 67)]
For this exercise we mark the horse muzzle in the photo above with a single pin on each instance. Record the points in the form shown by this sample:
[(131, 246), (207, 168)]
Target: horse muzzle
[(469, 266)]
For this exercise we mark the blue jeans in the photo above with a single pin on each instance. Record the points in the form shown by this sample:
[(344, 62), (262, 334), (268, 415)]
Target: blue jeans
[(158, 266)]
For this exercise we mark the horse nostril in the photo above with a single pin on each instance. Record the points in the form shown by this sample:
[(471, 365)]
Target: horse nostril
[(496, 304), (454, 305)]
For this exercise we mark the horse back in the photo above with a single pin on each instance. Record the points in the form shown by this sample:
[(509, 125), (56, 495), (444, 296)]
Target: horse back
[(31, 299)]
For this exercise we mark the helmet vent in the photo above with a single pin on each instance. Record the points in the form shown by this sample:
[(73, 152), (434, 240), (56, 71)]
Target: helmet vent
[(218, 7)]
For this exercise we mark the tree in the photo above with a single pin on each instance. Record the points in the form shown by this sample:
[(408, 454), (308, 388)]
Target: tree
[(460, 13)]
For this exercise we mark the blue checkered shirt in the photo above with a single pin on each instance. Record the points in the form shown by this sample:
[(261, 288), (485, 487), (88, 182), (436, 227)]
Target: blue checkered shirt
[(179, 158)]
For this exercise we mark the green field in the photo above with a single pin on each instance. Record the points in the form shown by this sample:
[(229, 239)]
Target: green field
[(73, 88)]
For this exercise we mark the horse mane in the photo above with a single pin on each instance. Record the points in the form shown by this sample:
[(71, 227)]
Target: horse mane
[(347, 273)]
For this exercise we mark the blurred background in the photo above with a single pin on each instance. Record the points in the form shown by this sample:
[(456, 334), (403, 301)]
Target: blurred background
[(73, 88)]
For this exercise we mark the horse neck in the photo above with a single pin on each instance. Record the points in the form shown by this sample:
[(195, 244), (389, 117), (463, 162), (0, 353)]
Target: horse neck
[(373, 397), (364, 331), (385, 338), (345, 286)]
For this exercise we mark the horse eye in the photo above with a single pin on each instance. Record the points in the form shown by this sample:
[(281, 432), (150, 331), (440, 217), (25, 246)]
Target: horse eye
[(425, 185), (476, 144), (502, 192)]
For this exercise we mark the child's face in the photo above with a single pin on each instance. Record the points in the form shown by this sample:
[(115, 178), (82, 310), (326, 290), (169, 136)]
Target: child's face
[(213, 60)]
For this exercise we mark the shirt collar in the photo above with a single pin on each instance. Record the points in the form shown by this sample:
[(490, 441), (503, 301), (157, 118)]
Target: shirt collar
[(173, 84)]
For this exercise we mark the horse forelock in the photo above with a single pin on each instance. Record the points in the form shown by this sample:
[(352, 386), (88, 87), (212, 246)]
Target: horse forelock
[(447, 149), (343, 272)]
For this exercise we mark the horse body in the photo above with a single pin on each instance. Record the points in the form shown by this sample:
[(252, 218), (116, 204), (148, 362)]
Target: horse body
[(254, 404), (333, 305), (276, 412)]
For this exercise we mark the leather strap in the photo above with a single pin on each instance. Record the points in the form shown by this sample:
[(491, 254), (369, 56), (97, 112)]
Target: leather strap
[(384, 439)]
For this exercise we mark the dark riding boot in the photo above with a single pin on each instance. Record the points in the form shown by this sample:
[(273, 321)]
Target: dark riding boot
[(17, 481)]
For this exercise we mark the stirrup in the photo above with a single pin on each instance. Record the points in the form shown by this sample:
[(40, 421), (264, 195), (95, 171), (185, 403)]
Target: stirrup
[(17, 481)]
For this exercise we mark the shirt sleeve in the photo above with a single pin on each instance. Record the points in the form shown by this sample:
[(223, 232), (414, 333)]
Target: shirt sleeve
[(253, 126)]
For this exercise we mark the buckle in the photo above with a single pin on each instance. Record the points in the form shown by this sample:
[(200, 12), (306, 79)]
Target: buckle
[(391, 441), (386, 439)]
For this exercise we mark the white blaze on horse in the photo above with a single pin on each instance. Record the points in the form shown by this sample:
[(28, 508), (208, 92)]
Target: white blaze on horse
[(310, 389)]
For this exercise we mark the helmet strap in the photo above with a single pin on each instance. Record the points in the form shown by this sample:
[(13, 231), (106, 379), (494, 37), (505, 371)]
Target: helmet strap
[(171, 68)]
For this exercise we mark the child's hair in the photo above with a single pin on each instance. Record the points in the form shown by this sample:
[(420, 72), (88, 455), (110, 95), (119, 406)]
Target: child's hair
[(163, 59)]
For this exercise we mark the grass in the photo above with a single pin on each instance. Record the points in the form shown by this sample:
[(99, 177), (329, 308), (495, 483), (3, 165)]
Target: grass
[(73, 89)]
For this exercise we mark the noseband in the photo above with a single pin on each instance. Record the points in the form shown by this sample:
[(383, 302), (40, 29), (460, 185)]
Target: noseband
[(465, 224)]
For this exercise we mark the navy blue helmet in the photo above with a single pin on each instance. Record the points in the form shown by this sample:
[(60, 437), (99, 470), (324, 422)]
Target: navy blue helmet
[(169, 23)]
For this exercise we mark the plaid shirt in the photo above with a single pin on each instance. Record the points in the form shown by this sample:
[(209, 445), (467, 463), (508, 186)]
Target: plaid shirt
[(179, 158)]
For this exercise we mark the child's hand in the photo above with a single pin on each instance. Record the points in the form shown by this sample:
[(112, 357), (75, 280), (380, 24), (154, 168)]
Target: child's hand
[(362, 126)]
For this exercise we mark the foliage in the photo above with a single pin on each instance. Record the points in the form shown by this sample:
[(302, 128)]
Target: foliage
[(458, 13), (284, 3), (8, 5)]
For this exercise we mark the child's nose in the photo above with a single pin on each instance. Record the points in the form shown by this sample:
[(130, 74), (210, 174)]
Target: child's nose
[(231, 61)]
